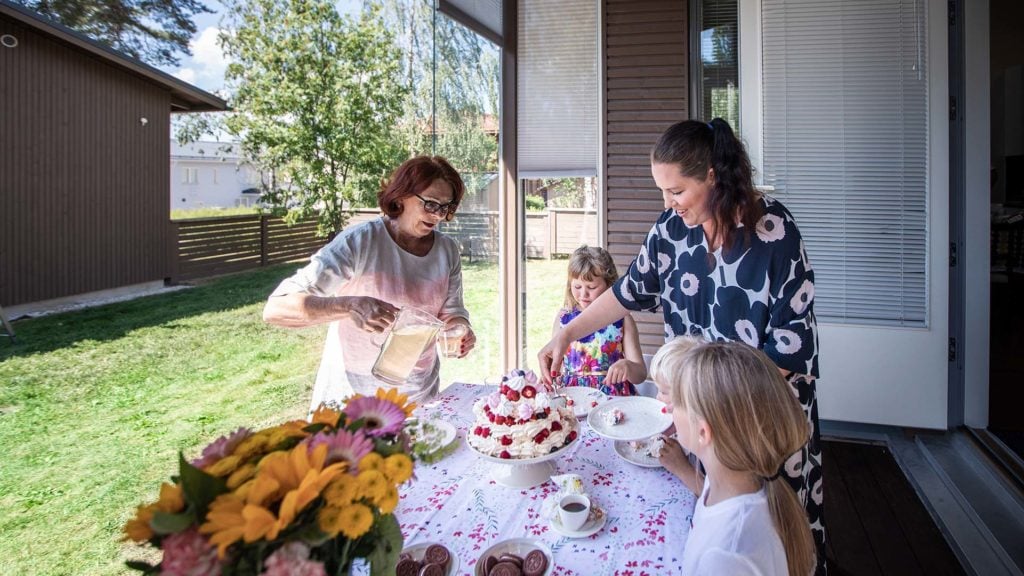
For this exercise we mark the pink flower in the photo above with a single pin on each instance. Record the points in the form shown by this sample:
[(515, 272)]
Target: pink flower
[(189, 554), (343, 446), (221, 447), (292, 559), (379, 416)]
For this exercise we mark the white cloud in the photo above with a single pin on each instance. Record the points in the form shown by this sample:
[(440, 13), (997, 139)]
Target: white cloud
[(208, 59), (185, 74)]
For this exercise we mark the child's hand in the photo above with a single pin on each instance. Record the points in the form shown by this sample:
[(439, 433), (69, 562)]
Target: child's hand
[(674, 459), (618, 372)]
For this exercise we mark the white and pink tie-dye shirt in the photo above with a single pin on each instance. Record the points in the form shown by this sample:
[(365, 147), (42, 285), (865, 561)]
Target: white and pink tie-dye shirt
[(365, 261)]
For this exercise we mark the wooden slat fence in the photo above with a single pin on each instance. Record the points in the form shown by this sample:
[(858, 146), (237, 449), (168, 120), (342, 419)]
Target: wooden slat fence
[(213, 246)]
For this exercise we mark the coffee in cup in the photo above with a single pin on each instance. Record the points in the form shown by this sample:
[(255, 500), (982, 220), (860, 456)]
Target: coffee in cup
[(573, 511)]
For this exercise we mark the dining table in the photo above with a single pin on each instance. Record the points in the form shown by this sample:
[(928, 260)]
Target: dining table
[(456, 502)]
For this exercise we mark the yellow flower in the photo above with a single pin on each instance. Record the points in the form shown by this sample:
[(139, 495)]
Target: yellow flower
[(224, 466), (251, 446), (398, 468), (355, 520), (171, 500), (263, 489), (326, 415), (259, 523), (224, 522), (240, 476), (138, 529), (389, 502), (372, 484), (372, 461), (329, 519), (342, 490), (392, 395)]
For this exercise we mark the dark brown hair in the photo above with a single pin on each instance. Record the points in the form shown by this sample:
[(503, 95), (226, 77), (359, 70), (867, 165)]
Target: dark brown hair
[(414, 176), (695, 147)]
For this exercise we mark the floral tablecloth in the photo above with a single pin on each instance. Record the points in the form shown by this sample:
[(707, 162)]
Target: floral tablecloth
[(455, 502)]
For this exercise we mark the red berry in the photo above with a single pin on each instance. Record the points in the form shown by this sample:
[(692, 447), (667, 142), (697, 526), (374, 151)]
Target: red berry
[(512, 395), (539, 437), (504, 389), (478, 431), (506, 441), (572, 436), (593, 404), (485, 432), (529, 391), (556, 426), (499, 420), (504, 454), (491, 417)]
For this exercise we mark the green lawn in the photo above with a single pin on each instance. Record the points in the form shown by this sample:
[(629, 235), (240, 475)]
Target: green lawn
[(95, 404)]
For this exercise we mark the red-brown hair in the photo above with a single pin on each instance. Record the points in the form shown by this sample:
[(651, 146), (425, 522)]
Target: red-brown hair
[(414, 176)]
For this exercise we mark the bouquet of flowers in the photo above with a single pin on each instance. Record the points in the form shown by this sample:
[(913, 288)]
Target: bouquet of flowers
[(298, 499)]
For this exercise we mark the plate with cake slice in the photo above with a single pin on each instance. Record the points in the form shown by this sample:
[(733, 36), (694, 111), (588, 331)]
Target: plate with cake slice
[(629, 418)]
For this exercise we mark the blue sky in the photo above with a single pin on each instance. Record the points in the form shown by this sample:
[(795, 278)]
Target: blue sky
[(205, 68)]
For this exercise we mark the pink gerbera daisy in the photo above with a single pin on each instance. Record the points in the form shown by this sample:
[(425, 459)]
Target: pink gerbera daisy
[(343, 446), (220, 448), (379, 416)]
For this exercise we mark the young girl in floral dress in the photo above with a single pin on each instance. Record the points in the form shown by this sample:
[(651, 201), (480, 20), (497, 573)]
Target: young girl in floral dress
[(609, 359)]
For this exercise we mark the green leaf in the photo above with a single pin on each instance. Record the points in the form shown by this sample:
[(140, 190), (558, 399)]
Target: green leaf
[(384, 556), (164, 523), (199, 487)]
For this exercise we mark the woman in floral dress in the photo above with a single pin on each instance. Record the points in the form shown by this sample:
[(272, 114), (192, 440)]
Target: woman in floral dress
[(722, 262)]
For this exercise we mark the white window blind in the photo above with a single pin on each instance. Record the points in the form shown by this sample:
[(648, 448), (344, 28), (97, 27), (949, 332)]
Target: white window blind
[(845, 146), (558, 96)]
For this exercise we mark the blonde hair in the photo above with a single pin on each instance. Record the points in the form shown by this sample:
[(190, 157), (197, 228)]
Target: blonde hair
[(756, 424), (589, 263)]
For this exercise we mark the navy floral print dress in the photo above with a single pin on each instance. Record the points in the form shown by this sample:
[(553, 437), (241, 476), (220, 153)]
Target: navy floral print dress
[(761, 292)]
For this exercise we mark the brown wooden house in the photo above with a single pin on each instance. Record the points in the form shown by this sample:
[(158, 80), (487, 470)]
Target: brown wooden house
[(84, 162)]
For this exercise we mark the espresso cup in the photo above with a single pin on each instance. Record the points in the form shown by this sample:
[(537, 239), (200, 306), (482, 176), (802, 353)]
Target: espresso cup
[(573, 511)]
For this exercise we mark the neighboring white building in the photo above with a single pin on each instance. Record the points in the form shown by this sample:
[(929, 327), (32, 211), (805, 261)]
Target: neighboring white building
[(211, 174)]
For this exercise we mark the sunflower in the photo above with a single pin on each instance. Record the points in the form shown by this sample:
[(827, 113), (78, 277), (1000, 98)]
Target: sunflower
[(392, 395), (137, 529), (326, 415)]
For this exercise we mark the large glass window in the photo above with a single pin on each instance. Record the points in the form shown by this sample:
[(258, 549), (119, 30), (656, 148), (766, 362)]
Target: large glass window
[(716, 70)]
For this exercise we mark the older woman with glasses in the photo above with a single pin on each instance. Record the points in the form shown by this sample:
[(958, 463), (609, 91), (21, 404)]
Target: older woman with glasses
[(359, 281)]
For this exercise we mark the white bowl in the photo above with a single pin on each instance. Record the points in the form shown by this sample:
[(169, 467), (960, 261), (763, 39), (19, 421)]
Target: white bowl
[(518, 546), (418, 550)]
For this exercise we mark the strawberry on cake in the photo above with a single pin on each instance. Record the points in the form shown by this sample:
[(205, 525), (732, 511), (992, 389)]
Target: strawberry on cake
[(520, 420)]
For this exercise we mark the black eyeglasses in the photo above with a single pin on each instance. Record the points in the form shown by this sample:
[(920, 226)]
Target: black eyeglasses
[(433, 207)]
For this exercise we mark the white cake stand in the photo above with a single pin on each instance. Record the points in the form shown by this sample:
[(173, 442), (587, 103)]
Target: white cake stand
[(524, 472)]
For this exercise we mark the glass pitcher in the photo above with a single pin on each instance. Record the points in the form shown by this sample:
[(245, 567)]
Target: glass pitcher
[(411, 334)]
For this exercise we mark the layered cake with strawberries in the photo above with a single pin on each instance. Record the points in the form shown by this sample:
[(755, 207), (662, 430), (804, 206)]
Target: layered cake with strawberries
[(521, 419)]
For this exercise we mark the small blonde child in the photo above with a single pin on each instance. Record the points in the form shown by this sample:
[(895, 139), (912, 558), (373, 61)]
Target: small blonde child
[(609, 359), (736, 413)]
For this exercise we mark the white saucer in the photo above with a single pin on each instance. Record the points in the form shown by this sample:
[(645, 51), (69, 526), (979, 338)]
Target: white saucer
[(639, 457), (593, 525)]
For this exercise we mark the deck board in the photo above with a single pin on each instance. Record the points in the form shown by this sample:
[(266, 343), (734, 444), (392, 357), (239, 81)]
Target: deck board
[(876, 522)]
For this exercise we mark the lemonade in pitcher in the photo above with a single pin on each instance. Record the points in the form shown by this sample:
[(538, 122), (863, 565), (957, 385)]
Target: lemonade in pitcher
[(412, 333)]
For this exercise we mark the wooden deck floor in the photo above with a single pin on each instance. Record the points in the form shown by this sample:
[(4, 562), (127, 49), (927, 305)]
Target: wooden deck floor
[(876, 523)]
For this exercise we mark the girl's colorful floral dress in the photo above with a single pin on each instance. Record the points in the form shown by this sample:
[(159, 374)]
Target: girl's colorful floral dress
[(588, 359)]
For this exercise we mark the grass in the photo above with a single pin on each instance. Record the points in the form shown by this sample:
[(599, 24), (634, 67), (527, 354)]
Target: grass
[(211, 212), (95, 404)]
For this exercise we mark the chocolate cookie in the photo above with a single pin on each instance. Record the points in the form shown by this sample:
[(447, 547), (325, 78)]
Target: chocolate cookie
[(535, 563), (437, 554), (505, 569), (432, 570), (407, 567), (509, 557), (489, 563)]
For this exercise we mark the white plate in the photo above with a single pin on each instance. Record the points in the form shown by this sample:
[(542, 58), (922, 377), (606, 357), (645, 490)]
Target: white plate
[(592, 526), (518, 546), (418, 550), (644, 418), (583, 399), (638, 457), (439, 436)]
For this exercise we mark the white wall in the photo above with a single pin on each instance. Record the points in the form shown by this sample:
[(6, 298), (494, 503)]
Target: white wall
[(224, 191), (977, 126)]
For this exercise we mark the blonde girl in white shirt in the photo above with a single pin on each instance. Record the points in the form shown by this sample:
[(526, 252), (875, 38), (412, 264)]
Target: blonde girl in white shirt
[(734, 411)]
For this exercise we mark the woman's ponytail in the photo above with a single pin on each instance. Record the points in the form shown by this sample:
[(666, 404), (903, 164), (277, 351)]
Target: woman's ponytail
[(791, 523)]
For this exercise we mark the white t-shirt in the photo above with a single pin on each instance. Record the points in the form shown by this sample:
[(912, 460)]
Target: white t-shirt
[(735, 537), (365, 261)]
